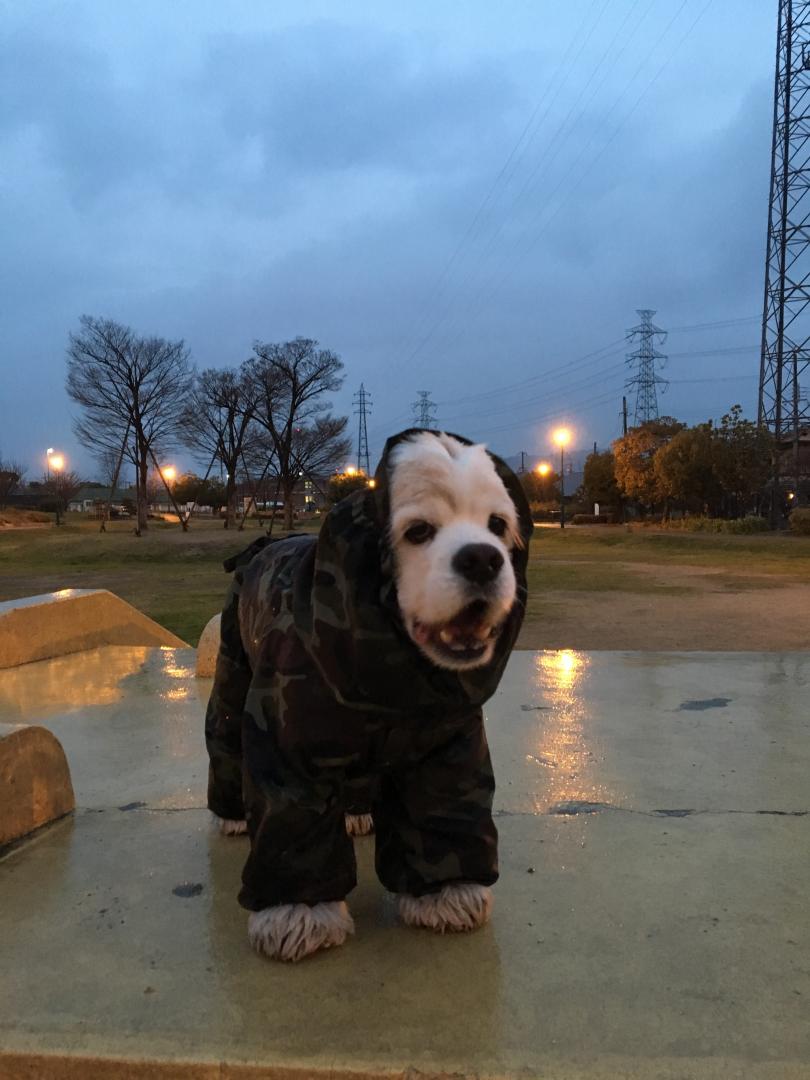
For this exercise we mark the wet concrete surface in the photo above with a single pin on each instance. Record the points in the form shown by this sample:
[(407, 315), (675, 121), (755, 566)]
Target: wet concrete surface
[(652, 917)]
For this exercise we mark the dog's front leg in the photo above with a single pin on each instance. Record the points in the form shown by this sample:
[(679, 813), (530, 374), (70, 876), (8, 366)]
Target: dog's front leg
[(293, 931), (436, 840), (301, 864)]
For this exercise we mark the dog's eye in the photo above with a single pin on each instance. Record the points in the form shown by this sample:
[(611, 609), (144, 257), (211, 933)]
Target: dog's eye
[(497, 525), (420, 532)]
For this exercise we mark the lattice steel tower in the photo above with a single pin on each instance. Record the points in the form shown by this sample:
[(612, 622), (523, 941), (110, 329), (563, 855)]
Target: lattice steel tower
[(424, 410), (645, 362), (783, 403), (362, 399)]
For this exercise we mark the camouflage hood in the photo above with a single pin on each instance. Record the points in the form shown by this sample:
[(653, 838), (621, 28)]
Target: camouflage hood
[(346, 613)]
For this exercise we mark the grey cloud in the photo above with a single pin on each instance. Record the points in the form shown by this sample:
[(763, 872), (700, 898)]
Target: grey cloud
[(325, 96)]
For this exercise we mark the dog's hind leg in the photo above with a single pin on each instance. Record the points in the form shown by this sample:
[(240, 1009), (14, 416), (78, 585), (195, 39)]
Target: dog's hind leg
[(223, 722), (229, 827), (292, 931), (454, 909)]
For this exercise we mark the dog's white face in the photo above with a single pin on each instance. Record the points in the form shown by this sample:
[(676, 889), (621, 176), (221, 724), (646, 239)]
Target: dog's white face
[(453, 527)]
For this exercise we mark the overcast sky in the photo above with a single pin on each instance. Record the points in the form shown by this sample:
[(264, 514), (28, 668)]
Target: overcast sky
[(454, 197)]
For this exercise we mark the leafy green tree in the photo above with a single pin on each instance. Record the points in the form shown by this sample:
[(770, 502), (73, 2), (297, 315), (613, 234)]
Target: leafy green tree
[(11, 476), (342, 484), (599, 479), (190, 488), (743, 460), (634, 455), (684, 469), (541, 490)]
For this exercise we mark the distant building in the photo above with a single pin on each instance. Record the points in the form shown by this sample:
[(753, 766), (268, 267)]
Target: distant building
[(92, 500), (309, 495)]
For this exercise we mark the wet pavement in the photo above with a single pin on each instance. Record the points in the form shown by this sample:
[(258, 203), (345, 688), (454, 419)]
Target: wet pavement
[(652, 917)]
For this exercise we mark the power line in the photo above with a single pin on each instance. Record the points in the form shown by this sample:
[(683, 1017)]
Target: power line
[(475, 308), (556, 142), (439, 286)]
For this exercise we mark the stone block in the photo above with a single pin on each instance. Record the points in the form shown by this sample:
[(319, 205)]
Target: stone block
[(35, 785)]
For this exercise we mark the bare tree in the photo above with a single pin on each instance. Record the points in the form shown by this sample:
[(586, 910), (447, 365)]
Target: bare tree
[(319, 448), (61, 488), (290, 380), (131, 391), (11, 476), (218, 425)]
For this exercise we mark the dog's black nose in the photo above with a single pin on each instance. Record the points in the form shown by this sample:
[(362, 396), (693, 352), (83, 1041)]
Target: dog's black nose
[(479, 563)]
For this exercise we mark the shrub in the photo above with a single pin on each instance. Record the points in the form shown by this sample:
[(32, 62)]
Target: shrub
[(799, 522), (751, 523), (592, 519), (736, 526)]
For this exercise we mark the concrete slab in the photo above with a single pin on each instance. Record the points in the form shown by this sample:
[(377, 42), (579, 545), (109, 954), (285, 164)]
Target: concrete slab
[(71, 620), (651, 919)]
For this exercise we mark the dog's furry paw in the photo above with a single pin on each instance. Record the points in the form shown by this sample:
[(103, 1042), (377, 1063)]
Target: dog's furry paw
[(359, 824), (228, 827), (454, 909), (293, 931)]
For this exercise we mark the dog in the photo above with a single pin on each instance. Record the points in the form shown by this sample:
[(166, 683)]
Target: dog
[(348, 689)]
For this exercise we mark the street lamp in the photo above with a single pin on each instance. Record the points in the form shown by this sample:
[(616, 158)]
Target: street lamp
[(562, 436), (351, 471), (48, 453), (57, 463), (168, 474), (542, 470)]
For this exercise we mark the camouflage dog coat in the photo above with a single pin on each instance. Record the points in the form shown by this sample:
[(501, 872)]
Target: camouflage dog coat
[(322, 705)]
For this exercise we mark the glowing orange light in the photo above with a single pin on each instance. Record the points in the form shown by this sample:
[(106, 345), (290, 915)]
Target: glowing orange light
[(351, 471), (562, 436), (57, 462), (543, 469), (169, 472)]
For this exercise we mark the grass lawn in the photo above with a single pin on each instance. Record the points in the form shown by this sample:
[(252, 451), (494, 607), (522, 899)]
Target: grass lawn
[(641, 579)]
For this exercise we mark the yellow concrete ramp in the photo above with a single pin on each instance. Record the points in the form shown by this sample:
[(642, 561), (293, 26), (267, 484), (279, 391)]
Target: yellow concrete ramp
[(70, 621)]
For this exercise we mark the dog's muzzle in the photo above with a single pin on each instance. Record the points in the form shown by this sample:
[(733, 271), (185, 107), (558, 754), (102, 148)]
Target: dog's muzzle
[(465, 637)]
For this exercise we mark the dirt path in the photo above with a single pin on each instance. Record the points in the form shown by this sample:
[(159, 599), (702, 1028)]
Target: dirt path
[(713, 609)]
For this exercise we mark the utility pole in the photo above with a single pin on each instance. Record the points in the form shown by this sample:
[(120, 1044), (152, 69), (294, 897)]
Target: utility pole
[(362, 401), (424, 410), (786, 309), (522, 461), (644, 363)]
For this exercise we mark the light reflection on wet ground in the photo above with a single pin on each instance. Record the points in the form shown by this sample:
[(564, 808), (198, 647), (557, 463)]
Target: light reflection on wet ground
[(553, 741)]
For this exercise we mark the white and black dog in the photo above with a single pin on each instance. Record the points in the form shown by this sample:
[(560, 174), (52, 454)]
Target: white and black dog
[(349, 684)]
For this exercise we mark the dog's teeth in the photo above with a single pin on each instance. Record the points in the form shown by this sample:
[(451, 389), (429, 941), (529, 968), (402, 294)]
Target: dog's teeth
[(446, 637), (483, 632)]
